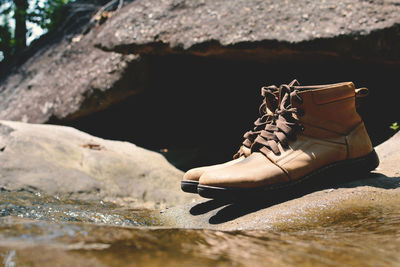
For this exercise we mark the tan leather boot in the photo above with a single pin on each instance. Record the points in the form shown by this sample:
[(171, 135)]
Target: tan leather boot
[(270, 103), (316, 133)]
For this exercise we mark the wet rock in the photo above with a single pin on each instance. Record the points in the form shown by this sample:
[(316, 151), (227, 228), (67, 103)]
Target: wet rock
[(369, 241), (375, 193), (62, 161)]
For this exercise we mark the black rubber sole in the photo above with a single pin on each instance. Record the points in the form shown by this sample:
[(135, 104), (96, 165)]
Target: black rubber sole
[(189, 186), (332, 174)]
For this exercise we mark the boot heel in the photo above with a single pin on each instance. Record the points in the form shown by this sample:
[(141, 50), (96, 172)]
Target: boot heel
[(364, 164)]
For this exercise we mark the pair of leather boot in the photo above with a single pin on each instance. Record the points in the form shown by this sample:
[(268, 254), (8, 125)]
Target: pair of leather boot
[(304, 133)]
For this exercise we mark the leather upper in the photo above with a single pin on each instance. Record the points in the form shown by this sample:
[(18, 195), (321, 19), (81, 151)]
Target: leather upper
[(333, 131)]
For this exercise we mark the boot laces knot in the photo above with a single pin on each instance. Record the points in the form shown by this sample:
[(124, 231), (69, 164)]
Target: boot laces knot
[(285, 124)]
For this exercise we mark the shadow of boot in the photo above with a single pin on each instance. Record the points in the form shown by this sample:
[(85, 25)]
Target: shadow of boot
[(207, 206), (238, 207)]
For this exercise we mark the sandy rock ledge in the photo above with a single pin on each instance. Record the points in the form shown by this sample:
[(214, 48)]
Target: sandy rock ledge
[(63, 161)]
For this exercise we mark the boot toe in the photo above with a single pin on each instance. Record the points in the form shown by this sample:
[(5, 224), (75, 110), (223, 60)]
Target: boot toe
[(193, 174), (254, 171), (220, 178)]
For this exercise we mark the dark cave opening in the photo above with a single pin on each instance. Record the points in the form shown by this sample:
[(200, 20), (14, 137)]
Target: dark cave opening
[(195, 110)]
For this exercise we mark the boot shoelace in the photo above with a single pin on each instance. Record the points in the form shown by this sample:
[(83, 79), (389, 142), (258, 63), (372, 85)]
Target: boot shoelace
[(270, 102), (284, 126)]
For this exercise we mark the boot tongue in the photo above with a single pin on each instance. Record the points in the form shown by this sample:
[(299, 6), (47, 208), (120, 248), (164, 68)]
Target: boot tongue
[(271, 101), (285, 105), (284, 93), (284, 97), (289, 86)]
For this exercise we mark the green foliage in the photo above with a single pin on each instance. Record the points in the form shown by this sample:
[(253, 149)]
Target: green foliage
[(395, 126), (48, 14), (6, 40)]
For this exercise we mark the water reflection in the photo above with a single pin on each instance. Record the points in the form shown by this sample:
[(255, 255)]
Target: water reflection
[(48, 237)]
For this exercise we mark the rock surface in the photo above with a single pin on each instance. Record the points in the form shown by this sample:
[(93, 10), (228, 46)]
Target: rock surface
[(63, 161), (68, 78), (136, 75), (72, 78), (379, 191), (259, 29)]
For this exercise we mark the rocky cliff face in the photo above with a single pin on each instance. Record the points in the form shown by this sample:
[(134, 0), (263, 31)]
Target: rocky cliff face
[(256, 30), (186, 74)]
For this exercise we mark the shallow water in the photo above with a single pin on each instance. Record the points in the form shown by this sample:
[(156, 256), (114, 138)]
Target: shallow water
[(38, 230), (61, 210)]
